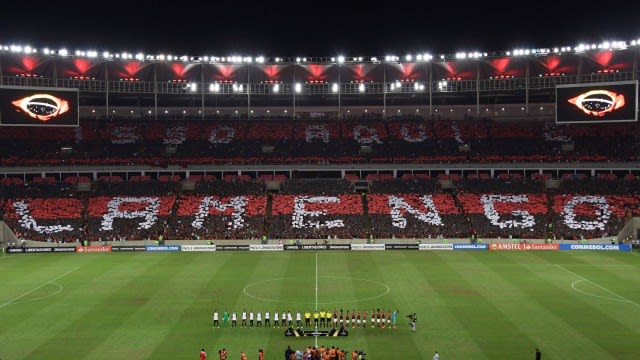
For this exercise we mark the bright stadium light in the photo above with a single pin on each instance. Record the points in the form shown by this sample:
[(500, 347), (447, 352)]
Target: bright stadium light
[(140, 56), (374, 59), (334, 88), (408, 57), (298, 59), (298, 88), (63, 52), (276, 88), (340, 59), (16, 48), (193, 87), (260, 59), (92, 54), (461, 55), (361, 88), (28, 49), (46, 51)]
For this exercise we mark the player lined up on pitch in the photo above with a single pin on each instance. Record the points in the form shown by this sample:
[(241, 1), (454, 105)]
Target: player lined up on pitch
[(321, 319)]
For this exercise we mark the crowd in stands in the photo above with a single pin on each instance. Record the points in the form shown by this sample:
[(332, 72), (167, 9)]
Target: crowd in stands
[(406, 140), (238, 207)]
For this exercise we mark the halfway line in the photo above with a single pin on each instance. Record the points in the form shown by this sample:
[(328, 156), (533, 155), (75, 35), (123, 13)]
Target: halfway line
[(600, 286), (36, 288)]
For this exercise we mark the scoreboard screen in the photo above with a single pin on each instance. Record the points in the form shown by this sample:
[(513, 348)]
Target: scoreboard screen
[(597, 102), (25, 106)]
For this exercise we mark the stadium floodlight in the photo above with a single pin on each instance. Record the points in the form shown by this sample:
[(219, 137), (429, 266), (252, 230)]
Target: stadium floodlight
[(193, 87), (360, 58), (28, 49), (63, 52), (16, 48), (298, 59), (508, 53), (248, 59), (92, 54), (340, 59), (416, 86), (206, 58), (633, 43), (260, 59), (398, 84), (276, 88), (555, 50), (298, 87), (461, 55), (334, 88), (78, 53), (374, 59), (361, 87), (392, 86), (387, 58), (277, 59), (140, 56), (169, 57), (46, 51), (240, 88), (304, 59), (442, 57), (408, 57)]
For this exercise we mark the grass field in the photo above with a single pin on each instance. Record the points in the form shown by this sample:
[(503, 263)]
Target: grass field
[(470, 305)]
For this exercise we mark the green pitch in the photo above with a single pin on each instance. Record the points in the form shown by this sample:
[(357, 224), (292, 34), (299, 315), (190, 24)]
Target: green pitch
[(470, 305)]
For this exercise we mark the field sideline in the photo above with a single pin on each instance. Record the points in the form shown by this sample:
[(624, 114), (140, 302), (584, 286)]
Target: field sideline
[(470, 305)]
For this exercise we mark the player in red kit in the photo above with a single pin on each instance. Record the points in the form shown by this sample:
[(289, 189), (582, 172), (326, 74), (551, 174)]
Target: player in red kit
[(203, 354)]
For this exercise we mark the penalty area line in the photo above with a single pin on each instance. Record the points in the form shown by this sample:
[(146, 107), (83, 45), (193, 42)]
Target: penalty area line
[(598, 285), (36, 288)]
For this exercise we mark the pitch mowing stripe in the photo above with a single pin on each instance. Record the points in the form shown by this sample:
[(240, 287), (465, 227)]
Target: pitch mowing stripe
[(243, 269), (376, 342), (599, 325), (437, 328), (179, 293), (124, 299), (525, 294), (286, 265), (461, 288)]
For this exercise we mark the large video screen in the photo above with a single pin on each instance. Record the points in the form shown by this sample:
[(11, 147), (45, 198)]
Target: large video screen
[(21, 106), (597, 102)]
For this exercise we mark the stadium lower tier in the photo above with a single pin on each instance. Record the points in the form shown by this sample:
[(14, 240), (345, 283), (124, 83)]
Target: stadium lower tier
[(413, 215)]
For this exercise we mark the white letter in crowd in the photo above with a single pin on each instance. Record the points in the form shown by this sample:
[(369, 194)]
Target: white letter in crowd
[(399, 207), (316, 131), (124, 135), (149, 214), (420, 137), (238, 204), (488, 203), (370, 135), (227, 133), (602, 212), (299, 212), (175, 135), (28, 222)]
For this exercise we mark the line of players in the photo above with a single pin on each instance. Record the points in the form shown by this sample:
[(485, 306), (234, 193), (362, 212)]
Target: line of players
[(321, 319)]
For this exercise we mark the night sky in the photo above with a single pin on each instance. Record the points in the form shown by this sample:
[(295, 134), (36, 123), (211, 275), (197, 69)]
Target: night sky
[(312, 28)]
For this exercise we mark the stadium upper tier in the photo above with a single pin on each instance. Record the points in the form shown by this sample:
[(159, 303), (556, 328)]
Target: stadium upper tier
[(348, 141)]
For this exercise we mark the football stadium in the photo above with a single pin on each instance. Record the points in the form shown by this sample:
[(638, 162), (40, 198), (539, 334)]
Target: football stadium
[(470, 205)]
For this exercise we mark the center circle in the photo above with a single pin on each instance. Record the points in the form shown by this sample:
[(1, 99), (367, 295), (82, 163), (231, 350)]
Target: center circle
[(330, 290)]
